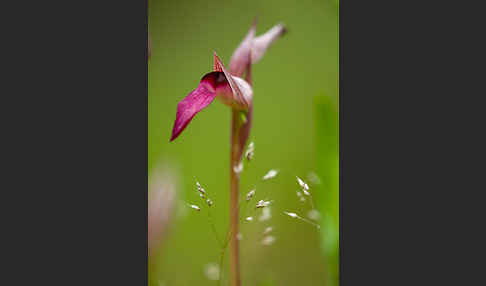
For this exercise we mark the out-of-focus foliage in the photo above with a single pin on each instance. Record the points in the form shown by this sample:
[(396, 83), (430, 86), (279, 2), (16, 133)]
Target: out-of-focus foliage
[(328, 169), (300, 65)]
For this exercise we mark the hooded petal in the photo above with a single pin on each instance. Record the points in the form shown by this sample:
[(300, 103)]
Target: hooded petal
[(261, 43), (217, 63), (242, 55), (242, 93)]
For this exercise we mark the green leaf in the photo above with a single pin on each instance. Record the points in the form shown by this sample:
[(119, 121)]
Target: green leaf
[(327, 119)]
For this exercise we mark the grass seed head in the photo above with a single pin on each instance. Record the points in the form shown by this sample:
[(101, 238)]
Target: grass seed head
[(195, 207), (250, 151), (250, 195), (267, 230), (271, 174), (313, 214), (262, 204), (313, 178), (303, 185), (294, 215), (268, 240), (211, 271), (266, 214), (200, 189)]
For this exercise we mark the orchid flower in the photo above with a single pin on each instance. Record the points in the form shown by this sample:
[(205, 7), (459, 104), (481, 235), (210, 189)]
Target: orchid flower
[(235, 91), (228, 86)]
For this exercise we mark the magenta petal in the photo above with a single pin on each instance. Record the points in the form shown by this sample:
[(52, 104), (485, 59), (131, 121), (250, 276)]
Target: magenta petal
[(197, 100)]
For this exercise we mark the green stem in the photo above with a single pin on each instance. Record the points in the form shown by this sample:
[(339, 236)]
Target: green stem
[(213, 227), (221, 260)]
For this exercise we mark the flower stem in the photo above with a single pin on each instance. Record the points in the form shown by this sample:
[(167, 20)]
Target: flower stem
[(235, 279)]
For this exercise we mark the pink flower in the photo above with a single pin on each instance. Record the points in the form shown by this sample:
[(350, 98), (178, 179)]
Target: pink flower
[(228, 86)]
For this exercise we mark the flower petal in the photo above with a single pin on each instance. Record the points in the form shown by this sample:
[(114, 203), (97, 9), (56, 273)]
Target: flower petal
[(242, 55), (242, 95), (217, 63), (252, 48), (213, 84), (197, 100), (261, 43)]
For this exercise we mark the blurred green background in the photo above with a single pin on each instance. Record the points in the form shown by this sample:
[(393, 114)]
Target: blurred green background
[(294, 130)]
